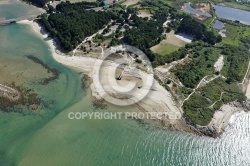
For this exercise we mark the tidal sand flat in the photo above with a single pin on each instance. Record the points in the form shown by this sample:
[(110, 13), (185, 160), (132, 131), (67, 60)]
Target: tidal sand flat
[(12, 9)]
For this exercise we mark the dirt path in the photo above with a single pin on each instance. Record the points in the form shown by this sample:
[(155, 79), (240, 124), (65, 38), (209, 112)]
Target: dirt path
[(89, 38), (211, 106), (198, 87), (246, 73)]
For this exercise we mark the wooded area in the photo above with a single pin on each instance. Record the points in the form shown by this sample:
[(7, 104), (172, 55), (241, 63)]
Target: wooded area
[(71, 24)]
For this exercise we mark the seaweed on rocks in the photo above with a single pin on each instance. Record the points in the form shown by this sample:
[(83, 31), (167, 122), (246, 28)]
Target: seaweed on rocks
[(26, 98), (55, 72)]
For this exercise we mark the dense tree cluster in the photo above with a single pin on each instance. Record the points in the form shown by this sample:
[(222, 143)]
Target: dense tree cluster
[(67, 6), (236, 63), (72, 24), (177, 55), (39, 3), (201, 65), (114, 42), (146, 33), (119, 15), (155, 5), (203, 58), (197, 30)]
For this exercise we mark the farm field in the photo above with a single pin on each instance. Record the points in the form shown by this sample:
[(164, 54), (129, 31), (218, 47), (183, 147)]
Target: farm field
[(169, 45)]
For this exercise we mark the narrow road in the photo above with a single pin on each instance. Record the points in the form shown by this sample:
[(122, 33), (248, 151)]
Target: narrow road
[(132, 60), (90, 39)]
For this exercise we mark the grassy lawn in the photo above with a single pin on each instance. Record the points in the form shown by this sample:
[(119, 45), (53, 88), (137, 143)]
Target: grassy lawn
[(169, 2), (131, 2), (168, 45), (164, 48), (234, 33)]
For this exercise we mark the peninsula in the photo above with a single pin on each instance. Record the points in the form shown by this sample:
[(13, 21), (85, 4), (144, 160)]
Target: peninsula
[(198, 74)]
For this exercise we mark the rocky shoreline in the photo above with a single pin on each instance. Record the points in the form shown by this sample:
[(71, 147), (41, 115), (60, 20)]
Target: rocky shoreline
[(22, 97), (221, 119)]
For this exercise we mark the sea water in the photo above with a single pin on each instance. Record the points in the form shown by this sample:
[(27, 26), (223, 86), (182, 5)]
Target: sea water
[(49, 137)]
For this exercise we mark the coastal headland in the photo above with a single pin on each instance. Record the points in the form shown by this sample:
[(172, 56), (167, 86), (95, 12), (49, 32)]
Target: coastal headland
[(158, 99), (195, 76), (141, 82)]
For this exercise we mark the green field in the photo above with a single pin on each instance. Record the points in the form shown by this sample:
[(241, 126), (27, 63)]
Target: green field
[(164, 48), (168, 45), (235, 33)]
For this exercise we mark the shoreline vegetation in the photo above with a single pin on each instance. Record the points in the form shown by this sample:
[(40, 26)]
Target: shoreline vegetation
[(160, 99)]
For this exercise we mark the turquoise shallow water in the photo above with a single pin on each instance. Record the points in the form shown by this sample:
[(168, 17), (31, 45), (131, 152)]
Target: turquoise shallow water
[(12, 8), (50, 138)]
